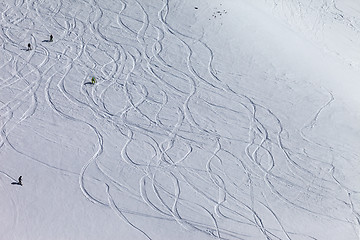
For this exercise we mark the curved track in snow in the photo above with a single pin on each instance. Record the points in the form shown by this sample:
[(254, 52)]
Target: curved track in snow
[(171, 141)]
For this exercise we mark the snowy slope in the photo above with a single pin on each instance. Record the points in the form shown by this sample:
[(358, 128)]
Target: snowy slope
[(209, 119)]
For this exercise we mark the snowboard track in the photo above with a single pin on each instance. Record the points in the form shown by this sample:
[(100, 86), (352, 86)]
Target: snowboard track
[(151, 101)]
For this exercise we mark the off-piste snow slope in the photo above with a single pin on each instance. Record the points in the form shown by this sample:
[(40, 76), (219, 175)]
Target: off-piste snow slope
[(221, 119)]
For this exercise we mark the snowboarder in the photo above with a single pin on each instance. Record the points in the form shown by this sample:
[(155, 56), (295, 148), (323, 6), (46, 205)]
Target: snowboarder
[(19, 182), (29, 47), (93, 81), (51, 38)]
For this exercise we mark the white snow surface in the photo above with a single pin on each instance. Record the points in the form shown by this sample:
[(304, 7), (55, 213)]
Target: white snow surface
[(221, 119)]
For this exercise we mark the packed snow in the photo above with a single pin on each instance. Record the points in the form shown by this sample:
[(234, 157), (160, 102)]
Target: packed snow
[(179, 119)]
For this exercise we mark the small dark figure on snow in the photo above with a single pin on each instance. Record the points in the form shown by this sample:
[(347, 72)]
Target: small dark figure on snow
[(51, 38), (93, 81), (29, 47), (19, 182)]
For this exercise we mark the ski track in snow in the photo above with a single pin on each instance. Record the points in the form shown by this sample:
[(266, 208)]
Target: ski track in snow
[(143, 108), (319, 18)]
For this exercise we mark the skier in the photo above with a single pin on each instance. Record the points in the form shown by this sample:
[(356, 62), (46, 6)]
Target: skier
[(93, 81), (29, 47), (51, 38)]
